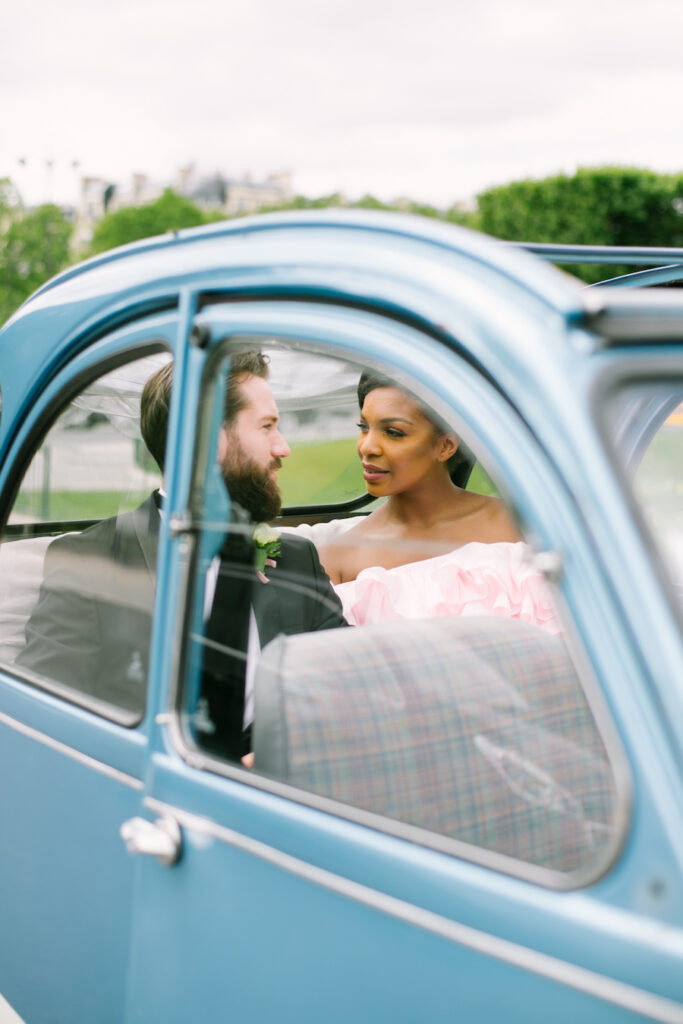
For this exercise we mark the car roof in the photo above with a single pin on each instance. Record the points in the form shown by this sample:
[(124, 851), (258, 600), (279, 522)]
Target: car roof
[(332, 238), (439, 277)]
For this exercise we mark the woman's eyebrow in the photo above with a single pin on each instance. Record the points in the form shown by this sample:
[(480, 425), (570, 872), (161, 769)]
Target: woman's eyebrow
[(389, 419)]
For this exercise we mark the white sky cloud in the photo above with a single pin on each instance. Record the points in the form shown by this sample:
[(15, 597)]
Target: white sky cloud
[(435, 100)]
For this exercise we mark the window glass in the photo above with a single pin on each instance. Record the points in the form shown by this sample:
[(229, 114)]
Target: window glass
[(429, 682), (318, 410), (318, 405), (78, 554), (92, 462), (648, 429)]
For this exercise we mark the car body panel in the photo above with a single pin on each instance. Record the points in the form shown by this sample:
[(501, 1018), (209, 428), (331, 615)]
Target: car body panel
[(283, 906)]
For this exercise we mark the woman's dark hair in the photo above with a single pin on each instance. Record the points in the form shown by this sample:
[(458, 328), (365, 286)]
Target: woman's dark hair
[(370, 381), (460, 464)]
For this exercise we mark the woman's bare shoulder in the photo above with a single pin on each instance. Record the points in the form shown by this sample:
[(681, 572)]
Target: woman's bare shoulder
[(342, 557), (496, 522), (337, 559), (479, 517)]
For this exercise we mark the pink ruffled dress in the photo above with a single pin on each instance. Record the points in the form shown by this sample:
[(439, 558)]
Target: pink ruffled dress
[(475, 579)]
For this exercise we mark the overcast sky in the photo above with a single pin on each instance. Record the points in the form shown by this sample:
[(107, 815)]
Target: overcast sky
[(434, 100)]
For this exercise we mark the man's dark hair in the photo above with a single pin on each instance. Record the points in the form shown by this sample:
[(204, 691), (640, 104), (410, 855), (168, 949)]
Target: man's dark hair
[(243, 365), (154, 403), (156, 398)]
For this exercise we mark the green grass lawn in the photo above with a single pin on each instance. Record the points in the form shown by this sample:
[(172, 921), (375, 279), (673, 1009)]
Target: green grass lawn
[(481, 482), (659, 482), (321, 472), (316, 474), (68, 505)]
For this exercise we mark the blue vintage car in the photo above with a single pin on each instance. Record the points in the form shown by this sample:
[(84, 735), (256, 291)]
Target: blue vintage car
[(449, 818)]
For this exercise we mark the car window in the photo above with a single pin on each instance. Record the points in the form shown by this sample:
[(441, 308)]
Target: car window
[(648, 429), (319, 415), (324, 470), (449, 709), (79, 549)]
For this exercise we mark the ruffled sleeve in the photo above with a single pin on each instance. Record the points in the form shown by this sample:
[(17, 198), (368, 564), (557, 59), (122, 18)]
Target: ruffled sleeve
[(475, 579)]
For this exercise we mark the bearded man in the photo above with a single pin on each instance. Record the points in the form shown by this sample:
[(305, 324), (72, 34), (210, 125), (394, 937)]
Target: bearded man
[(90, 628)]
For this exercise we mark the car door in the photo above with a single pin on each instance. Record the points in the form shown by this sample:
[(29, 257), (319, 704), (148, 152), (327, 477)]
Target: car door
[(72, 756), (288, 902)]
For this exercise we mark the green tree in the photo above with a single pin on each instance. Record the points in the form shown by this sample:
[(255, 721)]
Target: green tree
[(595, 206), (455, 214), (168, 213), (369, 202), (465, 217), (297, 203), (34, 246)]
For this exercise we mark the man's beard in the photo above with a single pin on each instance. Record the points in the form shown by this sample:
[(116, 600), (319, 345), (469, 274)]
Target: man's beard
[(253, 488)]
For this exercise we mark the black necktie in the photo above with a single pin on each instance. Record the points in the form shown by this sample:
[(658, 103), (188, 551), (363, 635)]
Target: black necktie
[(225, 654)]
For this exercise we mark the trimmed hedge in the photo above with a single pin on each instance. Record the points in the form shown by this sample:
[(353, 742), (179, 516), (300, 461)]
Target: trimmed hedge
[(595, 206)]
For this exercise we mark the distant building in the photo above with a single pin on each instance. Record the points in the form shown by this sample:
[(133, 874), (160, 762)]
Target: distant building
[(232, 195), (210, 192), (98, 197), (246, 196)]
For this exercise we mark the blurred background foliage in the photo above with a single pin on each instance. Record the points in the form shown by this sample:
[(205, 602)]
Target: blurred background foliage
[(169, 212), (34, 246), (595, 206)]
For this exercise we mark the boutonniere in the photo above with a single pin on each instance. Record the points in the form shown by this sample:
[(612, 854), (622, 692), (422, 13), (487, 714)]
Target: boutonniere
[(267, 548)]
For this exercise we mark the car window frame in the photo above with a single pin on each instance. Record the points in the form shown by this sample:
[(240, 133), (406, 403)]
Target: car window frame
[(118, 348), (620, 371), (195, 757)]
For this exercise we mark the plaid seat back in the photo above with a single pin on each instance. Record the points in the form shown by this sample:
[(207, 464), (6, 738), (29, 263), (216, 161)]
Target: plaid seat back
[(473, 728)]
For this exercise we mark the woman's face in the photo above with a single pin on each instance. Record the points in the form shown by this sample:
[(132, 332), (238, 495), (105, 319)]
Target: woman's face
[(398, 446)]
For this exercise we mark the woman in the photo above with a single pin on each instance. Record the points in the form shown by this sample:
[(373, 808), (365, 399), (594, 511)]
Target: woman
[(431, 548)]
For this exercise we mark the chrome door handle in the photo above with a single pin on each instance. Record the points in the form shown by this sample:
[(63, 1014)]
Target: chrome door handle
[(161, 838)]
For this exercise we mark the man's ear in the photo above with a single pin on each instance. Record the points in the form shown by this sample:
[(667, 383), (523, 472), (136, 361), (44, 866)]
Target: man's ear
[(447, 447)]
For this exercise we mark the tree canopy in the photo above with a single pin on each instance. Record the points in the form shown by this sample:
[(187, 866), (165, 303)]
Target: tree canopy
[(34, 246), (595, 206), (169, 212)]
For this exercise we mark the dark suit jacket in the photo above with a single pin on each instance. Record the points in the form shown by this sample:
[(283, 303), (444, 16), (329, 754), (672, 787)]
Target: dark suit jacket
[(91, 626), (299, 597)]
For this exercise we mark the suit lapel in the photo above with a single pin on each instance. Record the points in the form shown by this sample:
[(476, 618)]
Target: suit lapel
[(267, 600), (280, 605)]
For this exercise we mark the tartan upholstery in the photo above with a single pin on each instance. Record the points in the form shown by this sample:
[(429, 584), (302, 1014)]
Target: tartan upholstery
[(474, 728)]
